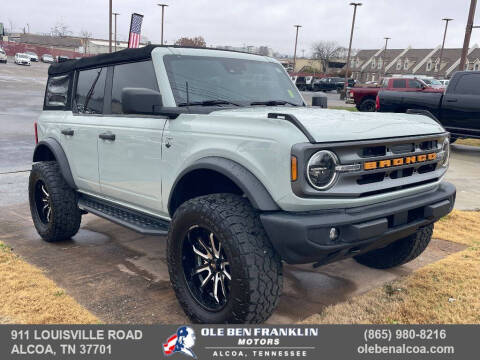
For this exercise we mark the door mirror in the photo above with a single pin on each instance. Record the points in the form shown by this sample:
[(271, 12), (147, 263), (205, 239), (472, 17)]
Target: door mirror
[(320, 101), (141, 101)]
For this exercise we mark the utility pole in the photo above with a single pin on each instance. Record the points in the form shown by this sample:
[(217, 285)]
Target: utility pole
[(468, 33), (110, 26), (385, 56), (295, 51), (163, 16), (350, 46), (447, 20), (115, 38)]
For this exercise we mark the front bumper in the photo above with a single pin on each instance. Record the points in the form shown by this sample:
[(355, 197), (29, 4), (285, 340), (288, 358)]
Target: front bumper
[(303, 237)]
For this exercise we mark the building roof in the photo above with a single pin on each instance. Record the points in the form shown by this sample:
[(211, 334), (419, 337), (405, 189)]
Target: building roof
[(47, 40)]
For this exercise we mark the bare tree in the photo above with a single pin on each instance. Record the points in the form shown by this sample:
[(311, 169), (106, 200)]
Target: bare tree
[(263, 50), (85, 35), (197, 41), (325, 51), (60, 29)]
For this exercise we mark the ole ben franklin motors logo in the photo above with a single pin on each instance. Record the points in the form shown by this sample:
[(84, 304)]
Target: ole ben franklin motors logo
[(181, 342)]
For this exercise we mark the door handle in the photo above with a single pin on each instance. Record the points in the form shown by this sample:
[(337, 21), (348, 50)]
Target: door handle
[(107, 136), (67, 132), (452, 100)]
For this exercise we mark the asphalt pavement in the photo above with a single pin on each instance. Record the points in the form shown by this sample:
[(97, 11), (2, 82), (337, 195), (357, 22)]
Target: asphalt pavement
[(122, 276)]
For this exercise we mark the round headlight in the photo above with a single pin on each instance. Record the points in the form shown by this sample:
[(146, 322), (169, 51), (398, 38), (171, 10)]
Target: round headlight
[(446, 152), (321, 171)]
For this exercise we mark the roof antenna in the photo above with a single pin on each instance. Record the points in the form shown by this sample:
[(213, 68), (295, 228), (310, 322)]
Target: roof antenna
[(188, 97)]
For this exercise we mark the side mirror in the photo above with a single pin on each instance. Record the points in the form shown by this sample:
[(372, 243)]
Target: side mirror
[(320, 101), (141, 101)]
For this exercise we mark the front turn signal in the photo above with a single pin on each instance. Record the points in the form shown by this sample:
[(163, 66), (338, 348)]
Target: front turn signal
[(294, 169)]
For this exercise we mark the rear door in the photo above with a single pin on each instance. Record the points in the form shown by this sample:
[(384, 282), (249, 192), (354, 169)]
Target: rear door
[(79, 132), (130, 146), (461, 103)]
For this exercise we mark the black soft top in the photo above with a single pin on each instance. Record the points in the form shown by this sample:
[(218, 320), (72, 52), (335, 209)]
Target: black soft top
[(126, 55), (102, 60)]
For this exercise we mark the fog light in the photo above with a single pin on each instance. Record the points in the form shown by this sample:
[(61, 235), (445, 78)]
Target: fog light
[(333, 233)]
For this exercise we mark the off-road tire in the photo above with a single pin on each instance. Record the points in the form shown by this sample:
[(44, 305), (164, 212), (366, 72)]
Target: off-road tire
[(65, 216), (367, 105), (400, 252), (256, 269)]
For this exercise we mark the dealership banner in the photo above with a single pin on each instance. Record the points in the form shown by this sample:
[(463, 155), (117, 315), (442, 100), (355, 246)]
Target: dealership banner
[(251, 342)]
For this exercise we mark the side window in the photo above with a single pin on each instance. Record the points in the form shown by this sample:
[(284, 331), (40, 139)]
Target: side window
[(57, 91), (90, 91), (139, 75), (399, 84), (414, 84), (468, 84)]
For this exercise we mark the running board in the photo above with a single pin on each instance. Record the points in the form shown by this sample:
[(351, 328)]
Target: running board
[(134, 220)]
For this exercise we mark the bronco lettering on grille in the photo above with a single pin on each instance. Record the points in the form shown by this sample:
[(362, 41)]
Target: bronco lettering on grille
[(381, 164)]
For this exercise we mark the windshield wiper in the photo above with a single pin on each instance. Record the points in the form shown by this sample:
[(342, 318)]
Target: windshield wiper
[(273, 103), (209, 103)]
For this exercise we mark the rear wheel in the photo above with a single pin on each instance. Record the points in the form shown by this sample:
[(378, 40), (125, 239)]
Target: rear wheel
[(367, 105), (222, 266), (53, 204), (399, 252)]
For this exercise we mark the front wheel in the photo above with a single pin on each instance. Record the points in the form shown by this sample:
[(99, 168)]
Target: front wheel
[(398, 253), (222, 266)]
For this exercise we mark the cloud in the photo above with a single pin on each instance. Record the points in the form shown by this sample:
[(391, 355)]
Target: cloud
[(258, 22)]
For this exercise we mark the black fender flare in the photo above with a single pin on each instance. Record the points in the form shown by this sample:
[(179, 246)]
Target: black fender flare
[(57, 151), (253, 189)]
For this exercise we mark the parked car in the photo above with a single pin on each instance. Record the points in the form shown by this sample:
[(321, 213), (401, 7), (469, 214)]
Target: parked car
[(331, 84), (3, 56), (47, 58), (239, 177), (364, 97), (32, 55), (434, 83), (62, 58), (458, 109), (22, 59)]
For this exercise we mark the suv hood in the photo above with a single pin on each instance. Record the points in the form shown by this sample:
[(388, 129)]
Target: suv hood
[(340, 125)]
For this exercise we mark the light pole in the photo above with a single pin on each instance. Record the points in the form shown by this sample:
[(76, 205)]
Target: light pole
[(163, 6), (350, 45), (110, 26), (385, 56), (447, 20), (115, 38), (295, 51), (468, 33)]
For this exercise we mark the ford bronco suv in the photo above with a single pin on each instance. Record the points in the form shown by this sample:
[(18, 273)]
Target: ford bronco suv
[(217, 151)]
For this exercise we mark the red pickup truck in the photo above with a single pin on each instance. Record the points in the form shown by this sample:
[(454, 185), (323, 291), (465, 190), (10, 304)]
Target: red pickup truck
[(364, 97)]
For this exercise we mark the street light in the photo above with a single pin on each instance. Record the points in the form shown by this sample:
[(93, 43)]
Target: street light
[(115, 38), (350, 45), (447, 20), (163, 15), (385, 56), (295, 51)]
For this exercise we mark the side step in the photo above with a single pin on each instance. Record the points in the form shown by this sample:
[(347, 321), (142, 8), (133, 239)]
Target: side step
[(134, 220)]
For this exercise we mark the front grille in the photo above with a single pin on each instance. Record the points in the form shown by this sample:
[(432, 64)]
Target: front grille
[(395, 166)]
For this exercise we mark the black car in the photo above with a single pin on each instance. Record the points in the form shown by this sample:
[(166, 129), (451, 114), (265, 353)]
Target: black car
[(457, 109), (332, 83)]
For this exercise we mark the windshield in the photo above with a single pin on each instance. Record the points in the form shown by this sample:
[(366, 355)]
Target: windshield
[(237, 81), (24, 56), (434, 82)]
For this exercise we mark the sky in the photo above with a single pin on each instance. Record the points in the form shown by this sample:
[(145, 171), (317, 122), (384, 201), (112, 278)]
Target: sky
[(257, 22)]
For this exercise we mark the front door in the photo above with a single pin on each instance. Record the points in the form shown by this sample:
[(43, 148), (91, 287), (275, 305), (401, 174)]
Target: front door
[(130, 146)]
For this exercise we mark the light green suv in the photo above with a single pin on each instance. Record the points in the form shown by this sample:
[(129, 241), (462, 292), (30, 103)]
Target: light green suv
[(217, 151)]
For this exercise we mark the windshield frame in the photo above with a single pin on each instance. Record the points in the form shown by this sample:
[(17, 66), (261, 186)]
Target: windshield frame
[(245, 101)]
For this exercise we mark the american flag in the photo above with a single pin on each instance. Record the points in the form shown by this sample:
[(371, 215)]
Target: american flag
[(135, 30), (169, 347)]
